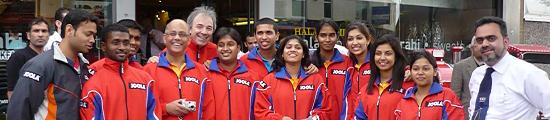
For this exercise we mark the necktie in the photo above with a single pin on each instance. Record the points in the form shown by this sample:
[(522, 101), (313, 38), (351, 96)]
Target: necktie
[(482, 101)]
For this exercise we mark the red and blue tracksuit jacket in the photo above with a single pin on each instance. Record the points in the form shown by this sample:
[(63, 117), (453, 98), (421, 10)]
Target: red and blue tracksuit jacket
[(253, 60), (334, 76), (117, 92), (190, 85), (354, 81), (201, 54), (440, 104), (276, 97), (377, 106), (227, 94)]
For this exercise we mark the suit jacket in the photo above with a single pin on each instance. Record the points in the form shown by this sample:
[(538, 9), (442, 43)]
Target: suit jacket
[(462, 72)]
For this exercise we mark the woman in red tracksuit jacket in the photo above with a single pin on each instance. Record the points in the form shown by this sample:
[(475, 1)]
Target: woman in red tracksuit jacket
[(428, 100), (230, 82), (289, 93), (378, 100), (116, 90), (331, 63), (357, 39)]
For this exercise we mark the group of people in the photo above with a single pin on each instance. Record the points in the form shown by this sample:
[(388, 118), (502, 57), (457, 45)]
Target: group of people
[(202, 74)]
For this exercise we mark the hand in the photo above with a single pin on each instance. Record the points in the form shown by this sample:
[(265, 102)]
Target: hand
[(174, 108), (286, 118), (311, 69), (153, 59)]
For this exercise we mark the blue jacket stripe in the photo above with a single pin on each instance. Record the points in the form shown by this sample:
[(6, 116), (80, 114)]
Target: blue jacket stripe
[(151, 104), (252, 100), (445, 114), (359, 112), (201, 101), (98, 105)]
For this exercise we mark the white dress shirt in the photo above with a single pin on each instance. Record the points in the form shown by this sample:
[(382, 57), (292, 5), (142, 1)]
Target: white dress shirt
[(519, 90), (54, 38)]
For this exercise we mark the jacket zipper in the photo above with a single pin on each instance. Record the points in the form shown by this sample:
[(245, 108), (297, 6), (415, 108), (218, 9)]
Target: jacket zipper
[(326, 76), (229, 96), (294, 104), (419, 112), (378, 107), (125, 92)]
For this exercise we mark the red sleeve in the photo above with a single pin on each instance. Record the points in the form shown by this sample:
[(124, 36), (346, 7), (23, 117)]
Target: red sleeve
[(324, 112), (262, 105), (398, 110), (90, 98), (453, 107)]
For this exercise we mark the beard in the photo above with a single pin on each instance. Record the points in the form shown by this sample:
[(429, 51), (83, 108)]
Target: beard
[(492, 58)]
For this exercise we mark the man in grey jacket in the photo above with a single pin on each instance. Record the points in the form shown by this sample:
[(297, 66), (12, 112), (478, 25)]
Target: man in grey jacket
[(462, 72)]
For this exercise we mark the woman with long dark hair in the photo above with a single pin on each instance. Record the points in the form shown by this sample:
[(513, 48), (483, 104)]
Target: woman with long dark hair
[(428, 100), (288, 92), (357, 40), (331, 63), (385, 88)]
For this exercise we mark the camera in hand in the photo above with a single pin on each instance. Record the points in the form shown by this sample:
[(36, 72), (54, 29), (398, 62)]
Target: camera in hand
[(190, 105)]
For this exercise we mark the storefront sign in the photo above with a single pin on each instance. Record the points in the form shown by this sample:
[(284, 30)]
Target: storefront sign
[(381, 15), (5, 54), (417, 44)]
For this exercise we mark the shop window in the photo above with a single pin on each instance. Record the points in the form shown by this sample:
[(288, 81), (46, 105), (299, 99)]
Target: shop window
[(298, 7), (328, 8)]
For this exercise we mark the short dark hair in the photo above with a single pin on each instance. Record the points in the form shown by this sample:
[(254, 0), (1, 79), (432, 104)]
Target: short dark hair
[(130, 24), (231, 32), (418, 54), (111, 28), (38, 21), (59, 13), (75, 18), (265, 20), (492, 19), (279, 61), (326, 21), (398, 71)]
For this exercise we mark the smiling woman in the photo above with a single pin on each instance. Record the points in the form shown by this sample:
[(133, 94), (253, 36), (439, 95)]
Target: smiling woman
[(307, 89)]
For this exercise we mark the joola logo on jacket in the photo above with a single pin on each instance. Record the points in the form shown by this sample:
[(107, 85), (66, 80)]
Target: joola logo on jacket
[(243, 82), (305, 87), (366, 72), (137, 86), (435, 104), (191, 79), (338, 72), (31, 75)]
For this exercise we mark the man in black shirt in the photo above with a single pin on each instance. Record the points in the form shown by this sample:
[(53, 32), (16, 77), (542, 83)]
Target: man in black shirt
[(37, 34)]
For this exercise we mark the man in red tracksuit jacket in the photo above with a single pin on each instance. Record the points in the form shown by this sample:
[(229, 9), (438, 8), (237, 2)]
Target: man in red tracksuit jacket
[(228, 93), (440, 104), (276, 97), (229, 84), (117, 91), (203, 23), (178, 77)]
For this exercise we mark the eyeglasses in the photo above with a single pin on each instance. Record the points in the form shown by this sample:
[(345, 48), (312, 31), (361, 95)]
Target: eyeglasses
[(181, 34), (490, 38)]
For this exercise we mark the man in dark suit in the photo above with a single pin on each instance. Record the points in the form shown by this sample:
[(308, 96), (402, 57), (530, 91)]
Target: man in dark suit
[(462, 72)]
